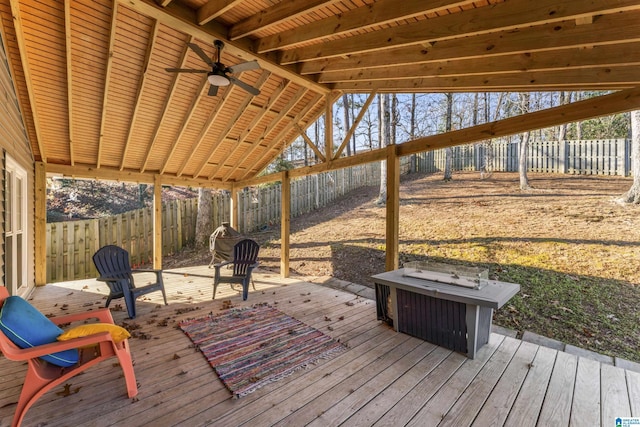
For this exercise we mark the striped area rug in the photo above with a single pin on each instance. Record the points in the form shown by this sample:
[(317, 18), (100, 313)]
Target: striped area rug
[(252, 347)]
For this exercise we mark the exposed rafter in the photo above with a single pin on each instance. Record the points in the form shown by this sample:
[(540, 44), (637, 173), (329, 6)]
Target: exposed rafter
[(259, 116), (275, 140), (142, 83), (202, 89), (69, 53), (355, 124), (231, 123), (285, 10), (310, 143), (165, 109), (363, 18), (606, 30), (200, 139), (501, 17), (214, 8), (555, 60), (26, 69), (107, 80), (275, 122)]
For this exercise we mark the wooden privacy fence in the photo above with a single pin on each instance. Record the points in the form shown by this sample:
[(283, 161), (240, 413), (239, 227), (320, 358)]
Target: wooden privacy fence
[(71, 244), (592, 157)]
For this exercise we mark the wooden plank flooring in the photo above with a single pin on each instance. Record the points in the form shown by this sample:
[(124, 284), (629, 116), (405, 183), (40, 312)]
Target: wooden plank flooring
[(385, 379)]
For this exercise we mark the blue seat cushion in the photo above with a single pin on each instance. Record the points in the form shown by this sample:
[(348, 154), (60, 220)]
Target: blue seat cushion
[(26, 327)]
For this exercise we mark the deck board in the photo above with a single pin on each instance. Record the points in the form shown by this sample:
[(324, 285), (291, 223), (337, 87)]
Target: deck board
[(498, 404), (385, 378)]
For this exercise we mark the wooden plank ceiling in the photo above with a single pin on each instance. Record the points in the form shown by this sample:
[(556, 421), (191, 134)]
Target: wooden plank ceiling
[(92, 84)]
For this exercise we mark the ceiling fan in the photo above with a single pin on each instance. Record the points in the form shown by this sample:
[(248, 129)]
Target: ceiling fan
[(219, 73)]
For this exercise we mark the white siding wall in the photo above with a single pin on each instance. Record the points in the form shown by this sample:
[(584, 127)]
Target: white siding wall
[(14, 142)]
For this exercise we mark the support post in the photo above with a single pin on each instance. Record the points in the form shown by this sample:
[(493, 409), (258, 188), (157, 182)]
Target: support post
[(40, 225), (285, 223), (157, 223), (393, 208)]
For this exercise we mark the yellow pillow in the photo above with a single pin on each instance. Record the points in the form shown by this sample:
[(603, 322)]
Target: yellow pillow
[(118, 333)]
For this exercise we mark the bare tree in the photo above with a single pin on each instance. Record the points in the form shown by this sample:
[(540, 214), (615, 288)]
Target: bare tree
[(385, 139), (347, 118), (524, 144), (204, 219), (448, 151), (633, 194), (412, 132)]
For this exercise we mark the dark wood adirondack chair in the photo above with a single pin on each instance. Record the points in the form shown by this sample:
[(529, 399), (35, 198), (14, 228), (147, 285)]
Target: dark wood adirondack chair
[(245, 259), (112, 262)]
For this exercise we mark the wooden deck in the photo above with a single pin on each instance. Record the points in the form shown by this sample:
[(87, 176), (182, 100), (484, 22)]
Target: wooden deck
[(385, 379)]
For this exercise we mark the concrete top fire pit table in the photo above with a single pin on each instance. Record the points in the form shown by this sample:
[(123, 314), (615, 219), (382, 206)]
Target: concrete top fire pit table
[(455, 315)]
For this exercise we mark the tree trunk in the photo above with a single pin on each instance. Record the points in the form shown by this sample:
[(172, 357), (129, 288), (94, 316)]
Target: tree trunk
[(412, 133), (524, 145), (522, 161), (385, 131), (347, 119), (633, 195), (448, 151), (204, 219)]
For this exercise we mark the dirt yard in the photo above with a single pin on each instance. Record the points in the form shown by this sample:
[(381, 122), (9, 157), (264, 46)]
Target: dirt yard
[(570, 245)]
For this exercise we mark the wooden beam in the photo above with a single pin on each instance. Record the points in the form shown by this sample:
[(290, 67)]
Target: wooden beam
[(165, 110), (215, 8), (181, 18), (157, 223), (509, 15), (283, 11), (392, 219), (355, 124), (309, 142), (277, 139), (40, 225), (17, 23), (618, 102), (257, 118), (69, 61), (627, 54), (114, 174), (285, 223), (107, 79), (142, 82), (239, 109), (201, 138), (365, 17), (274, 123), (204, 86), (601, 78), (626, 100), (608, 29)]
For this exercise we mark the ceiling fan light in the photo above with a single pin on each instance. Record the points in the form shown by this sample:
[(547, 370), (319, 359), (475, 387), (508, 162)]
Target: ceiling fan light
[(218, 80)]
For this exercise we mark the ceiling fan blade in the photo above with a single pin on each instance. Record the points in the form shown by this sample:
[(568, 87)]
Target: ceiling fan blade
[(213, 90), (185, 70), (252, 90), (244, 66), (200, 53)]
